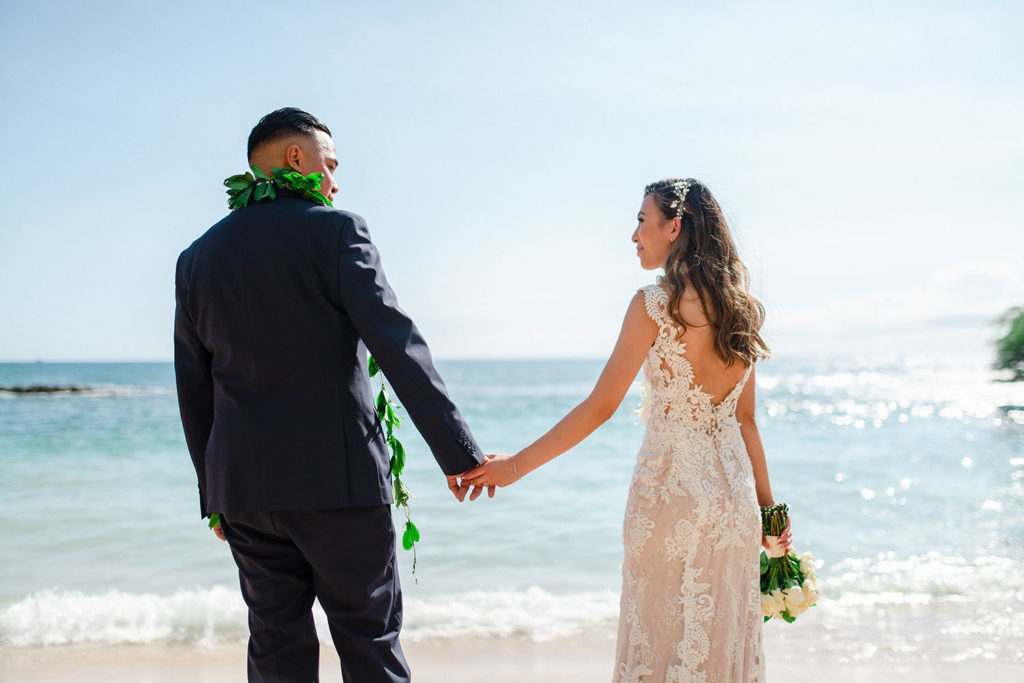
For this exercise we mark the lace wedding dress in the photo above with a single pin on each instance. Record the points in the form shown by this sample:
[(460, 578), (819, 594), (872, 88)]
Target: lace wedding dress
[(690, 607)]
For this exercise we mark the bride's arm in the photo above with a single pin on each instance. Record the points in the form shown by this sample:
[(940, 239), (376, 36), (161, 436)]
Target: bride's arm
[(755, 451), (635, 339), (752, 438)]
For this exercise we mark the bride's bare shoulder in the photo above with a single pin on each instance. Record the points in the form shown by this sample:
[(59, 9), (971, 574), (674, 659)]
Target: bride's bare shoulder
[(691, 305), (689, 291)]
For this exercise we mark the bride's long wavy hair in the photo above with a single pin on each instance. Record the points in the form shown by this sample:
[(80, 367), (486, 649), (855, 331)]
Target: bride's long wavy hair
[(706, 253)]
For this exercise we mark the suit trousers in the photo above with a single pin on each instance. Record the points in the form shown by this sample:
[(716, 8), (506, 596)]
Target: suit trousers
[(345, 558)]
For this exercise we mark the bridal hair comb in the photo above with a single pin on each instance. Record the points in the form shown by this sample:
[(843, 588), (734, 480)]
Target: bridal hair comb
[(679, 189)]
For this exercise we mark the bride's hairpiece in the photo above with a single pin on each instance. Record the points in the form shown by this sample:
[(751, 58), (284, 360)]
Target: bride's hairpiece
[(679, 189)]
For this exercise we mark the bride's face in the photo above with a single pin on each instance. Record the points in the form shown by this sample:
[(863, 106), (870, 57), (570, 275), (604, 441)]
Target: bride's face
[(654, 235)]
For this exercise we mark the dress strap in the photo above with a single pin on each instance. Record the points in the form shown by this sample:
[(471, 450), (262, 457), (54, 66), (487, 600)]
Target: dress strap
[(656, 302)]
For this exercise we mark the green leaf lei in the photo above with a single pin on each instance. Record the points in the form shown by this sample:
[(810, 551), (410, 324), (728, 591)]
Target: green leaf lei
[(255, 187), (389, 418)]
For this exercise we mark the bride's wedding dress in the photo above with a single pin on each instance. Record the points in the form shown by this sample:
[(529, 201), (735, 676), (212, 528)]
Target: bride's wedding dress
[(690, 607)]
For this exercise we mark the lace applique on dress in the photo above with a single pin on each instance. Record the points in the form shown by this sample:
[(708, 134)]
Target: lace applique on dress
[(690, 608)]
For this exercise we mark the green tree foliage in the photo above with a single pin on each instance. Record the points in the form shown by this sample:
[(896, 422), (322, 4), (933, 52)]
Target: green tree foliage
[(1010, 348)]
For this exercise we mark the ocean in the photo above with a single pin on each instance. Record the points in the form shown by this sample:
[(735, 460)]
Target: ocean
[(905, 479)]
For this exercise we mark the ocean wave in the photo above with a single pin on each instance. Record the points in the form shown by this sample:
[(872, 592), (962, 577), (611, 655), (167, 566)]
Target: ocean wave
[(533, 614), (218, 614), (851, 589), (62, 618)]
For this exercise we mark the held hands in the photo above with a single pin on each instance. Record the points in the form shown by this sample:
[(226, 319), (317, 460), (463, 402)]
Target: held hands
[(496, 470), (459, 488)]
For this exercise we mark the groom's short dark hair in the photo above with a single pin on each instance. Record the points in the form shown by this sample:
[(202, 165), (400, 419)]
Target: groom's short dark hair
[(284, 122)]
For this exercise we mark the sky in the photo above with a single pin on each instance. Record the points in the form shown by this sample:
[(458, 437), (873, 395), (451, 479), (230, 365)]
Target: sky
[(869, 157)]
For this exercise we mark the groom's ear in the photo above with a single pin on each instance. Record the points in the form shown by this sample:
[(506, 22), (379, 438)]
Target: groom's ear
[(294, 156)]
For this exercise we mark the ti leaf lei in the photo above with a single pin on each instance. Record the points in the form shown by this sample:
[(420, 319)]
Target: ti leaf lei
[(255, 187), (389, 418)]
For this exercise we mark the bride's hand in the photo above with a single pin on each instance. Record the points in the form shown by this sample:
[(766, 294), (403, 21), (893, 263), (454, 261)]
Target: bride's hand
[(496, 470), (785, 538)]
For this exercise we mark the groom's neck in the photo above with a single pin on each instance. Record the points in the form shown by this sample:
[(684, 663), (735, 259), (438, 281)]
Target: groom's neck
[(272, 155), (266, 162)]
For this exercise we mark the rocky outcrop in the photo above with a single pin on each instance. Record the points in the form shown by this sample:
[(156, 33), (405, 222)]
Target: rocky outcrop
[(45, 389)]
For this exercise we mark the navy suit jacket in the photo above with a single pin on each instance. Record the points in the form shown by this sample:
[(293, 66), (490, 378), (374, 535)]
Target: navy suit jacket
[(276, 307)]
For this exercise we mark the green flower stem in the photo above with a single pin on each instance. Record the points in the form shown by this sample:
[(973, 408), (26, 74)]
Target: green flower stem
[(774, 519)]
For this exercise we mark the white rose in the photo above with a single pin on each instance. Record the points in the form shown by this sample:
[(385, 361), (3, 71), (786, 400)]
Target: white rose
[(807, 564), (767, 606), (810, 590), (778, 600), (794, 600)]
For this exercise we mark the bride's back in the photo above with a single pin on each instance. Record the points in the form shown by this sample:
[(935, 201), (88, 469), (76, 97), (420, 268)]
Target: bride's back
[(712, 374)]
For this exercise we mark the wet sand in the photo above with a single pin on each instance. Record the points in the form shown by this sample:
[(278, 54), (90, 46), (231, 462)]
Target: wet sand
[(582, 659)]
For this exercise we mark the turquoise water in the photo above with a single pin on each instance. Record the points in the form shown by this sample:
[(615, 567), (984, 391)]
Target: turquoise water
[(905, 478)]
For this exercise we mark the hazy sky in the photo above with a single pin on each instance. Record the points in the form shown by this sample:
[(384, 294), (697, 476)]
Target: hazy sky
[(870, 156)]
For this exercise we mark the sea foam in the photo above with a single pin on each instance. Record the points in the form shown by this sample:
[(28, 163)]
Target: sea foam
[(61, 618), (852, 589), (218, 614)]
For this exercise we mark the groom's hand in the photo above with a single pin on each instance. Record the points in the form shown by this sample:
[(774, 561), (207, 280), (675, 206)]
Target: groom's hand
[(459, 487), (458, 490), (219, 533)]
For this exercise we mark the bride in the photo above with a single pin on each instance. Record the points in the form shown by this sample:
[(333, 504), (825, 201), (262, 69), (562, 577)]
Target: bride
[(690, 607)]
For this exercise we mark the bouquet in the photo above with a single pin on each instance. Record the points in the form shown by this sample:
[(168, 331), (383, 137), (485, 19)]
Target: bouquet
[(788, 583)]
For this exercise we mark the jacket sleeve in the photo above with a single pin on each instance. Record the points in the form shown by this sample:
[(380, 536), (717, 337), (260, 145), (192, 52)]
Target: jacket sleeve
[(194, 381), (400, 350)]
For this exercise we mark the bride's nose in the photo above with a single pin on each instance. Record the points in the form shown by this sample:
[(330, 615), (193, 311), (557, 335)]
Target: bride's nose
[(635, 237)]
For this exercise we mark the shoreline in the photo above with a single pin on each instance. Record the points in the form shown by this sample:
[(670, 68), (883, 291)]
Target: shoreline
[(492, 660)]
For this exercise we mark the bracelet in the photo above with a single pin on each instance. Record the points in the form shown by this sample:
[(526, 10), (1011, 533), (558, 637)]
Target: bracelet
[(514, 470)]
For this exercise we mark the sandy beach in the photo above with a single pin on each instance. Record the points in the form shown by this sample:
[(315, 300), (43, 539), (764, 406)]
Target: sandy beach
[(469, 661)]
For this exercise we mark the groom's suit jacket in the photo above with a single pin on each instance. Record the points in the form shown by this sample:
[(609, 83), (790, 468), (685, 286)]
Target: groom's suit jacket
[(276, 306)]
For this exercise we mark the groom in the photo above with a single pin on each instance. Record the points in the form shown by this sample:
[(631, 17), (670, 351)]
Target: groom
[(274, 306)]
